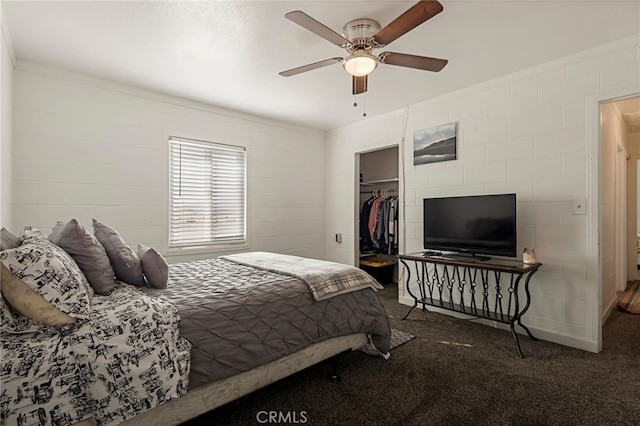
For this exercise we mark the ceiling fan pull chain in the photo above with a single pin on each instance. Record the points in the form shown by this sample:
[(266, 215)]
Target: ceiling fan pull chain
[(364, 101)]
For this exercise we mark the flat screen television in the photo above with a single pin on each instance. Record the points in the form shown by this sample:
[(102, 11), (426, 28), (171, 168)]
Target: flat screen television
[(477, 225)]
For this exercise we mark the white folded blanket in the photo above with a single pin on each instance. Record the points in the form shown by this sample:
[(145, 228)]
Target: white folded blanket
[(324, 279)]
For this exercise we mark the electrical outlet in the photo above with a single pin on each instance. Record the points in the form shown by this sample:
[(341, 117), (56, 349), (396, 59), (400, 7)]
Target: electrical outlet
[(579, 207)]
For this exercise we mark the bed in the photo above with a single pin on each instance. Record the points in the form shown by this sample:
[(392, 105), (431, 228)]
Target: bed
[(221, 329)]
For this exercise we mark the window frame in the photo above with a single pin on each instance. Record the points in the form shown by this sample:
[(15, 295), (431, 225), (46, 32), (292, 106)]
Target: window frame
[(210, 246)]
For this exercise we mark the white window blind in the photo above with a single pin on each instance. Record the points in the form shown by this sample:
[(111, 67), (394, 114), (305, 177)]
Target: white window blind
[(207, 191)]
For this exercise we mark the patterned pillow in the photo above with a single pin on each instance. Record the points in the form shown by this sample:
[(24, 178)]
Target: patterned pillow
[(46, 269), (155, 267), (88, 253), (25, 300), (34, 235), (124, 260)]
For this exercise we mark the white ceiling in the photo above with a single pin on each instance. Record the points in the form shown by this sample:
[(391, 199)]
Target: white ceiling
[(229, 53), (629, 109)]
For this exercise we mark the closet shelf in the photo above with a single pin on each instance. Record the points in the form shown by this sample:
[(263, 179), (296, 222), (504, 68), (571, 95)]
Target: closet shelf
[(379, 181)]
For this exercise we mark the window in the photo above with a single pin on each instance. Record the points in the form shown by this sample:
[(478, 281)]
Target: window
[(207, 193)]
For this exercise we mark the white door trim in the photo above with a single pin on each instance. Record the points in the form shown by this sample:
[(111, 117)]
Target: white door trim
[(620, 209), (594, 270)]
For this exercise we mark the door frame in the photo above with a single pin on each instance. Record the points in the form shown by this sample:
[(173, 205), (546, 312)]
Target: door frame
[(357, 188), (620, 212), (594, 259)]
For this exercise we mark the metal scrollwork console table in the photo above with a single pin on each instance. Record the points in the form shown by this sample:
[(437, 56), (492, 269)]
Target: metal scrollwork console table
[(481, 288)]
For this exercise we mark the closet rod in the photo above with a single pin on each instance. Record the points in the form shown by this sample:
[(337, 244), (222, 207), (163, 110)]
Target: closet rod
[(371, 191)]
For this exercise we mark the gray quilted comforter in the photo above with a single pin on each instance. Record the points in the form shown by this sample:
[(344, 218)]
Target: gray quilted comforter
[(238, 317)]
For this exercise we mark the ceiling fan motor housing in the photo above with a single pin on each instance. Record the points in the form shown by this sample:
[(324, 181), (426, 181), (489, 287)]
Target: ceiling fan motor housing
[(359, 37), (359, 32)]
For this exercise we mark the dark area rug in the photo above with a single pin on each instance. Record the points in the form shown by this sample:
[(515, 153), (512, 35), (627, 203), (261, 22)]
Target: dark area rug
[(458, 372), (630, 300)]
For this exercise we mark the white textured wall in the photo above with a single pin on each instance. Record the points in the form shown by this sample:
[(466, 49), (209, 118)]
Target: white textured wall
[(6, 73), (633, 206), (342, 182), (614, 135), (87, 148), (524, 133)]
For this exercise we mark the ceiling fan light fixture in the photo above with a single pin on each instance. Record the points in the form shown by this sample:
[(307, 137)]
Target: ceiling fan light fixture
[(360, 63)]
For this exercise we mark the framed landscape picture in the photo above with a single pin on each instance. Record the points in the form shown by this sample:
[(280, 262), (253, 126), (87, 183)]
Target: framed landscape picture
[(434, 144)]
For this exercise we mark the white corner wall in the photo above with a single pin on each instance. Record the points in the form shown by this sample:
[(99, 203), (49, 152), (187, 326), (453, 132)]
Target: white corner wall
[(6, 76), (613, 138), (86, 148), (633, 206), (524, 133)]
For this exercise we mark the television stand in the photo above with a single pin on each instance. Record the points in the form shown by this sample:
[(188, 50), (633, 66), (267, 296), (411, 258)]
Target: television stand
[(488, 289), (466, 256)]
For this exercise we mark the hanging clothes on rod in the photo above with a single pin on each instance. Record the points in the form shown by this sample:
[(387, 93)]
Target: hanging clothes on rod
[(379, 222), (366, 243)]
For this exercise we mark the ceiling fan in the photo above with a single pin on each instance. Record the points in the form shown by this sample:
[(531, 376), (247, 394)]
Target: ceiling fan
[(361, 36)]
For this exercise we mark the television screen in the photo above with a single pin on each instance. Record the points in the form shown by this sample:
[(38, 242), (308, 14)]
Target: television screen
[(476, 225)]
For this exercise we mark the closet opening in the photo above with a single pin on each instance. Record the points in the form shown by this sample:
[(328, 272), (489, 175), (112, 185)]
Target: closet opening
[(378, 204)]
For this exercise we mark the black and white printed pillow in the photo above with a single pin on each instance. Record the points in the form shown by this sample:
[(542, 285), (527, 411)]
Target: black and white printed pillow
[(46, 269), (34, 235)]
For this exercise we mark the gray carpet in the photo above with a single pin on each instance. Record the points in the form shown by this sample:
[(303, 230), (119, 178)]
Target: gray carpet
[(457, 372)]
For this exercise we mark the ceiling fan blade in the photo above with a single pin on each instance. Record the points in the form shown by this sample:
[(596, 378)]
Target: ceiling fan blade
[(309, 67), (411, 18), (412, 61), (307, 22), (359, 84)]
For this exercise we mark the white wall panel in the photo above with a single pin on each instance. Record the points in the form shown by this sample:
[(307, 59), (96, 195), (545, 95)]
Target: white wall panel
[(535, 213), (510, 149), (574, 164), (6, 142), (571, 139), (534, 167), (536, 122), (86, 148), (619, 69), (495, 171), (524, 133)]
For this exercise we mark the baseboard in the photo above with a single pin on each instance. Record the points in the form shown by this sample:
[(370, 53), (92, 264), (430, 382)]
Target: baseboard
[(561, 339), (606, 312)]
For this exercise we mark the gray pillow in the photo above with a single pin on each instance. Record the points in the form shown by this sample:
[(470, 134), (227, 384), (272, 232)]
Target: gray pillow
[(124, 260), (55, 231), (88, 253), (8, 240), (155, 267)]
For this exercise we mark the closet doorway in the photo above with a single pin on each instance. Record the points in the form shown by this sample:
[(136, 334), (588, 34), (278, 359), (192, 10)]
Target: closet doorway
[(377, 213)]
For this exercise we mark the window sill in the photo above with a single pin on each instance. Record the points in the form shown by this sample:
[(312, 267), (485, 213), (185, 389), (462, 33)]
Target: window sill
[(203, 250)]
